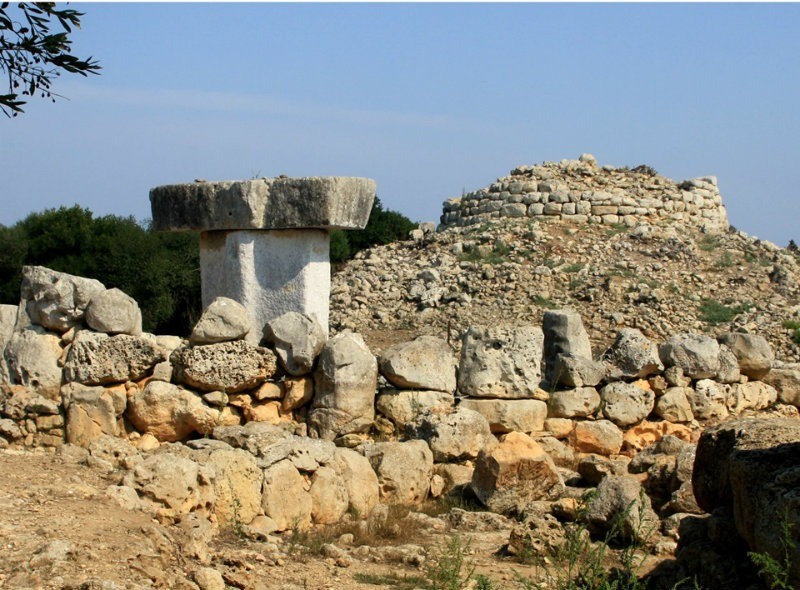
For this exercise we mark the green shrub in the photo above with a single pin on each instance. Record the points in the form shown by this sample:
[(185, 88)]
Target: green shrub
[(714, 313), (724, 261), (709, 242), (573, 268), (795, 330), (544, 302), (583, 564), (777, 572), (448, 566), (384, 226)]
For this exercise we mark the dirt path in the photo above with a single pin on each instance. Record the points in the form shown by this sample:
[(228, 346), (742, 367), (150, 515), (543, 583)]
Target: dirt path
[(61, 528)]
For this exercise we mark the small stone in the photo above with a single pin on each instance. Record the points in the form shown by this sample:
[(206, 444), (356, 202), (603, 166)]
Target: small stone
[(114, 312), (222, 321)]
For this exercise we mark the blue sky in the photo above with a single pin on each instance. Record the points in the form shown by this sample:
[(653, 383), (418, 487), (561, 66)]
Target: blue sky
[(427, 99)]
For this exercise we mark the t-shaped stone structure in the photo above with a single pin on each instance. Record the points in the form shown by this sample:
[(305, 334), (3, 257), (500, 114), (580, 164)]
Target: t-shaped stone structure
[(265, 243)]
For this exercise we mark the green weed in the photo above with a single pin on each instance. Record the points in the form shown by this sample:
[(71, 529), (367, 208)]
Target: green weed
[(448, 566), (724, 261), (714, 313), (795, 328), (544, 302), (393, 580), (572, 268), (582, 564), (777, 572), (708, 243)]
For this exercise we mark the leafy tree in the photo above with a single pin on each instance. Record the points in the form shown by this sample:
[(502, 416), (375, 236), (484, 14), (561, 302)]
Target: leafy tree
[(34, 51), (161, 271), (384, 226)]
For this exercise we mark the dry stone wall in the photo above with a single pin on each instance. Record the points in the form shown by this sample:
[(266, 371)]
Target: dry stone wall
[(301, 430), (583, 192)]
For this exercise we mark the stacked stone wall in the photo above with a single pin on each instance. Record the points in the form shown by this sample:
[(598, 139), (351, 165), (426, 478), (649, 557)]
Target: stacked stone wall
[(580, 191), (299, 431)]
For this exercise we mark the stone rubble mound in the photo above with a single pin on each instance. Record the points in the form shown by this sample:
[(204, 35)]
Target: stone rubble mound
[(658, 274)]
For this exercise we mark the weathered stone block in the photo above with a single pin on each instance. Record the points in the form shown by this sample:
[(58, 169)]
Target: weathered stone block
[(264, 203)]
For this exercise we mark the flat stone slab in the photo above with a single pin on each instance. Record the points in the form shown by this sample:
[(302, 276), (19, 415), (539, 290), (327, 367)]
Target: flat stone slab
[(321, 202)]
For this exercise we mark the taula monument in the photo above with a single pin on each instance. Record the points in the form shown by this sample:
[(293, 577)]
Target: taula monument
[(265, 243)]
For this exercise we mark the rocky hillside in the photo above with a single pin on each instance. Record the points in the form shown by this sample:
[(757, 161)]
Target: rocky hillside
[(655, 273)]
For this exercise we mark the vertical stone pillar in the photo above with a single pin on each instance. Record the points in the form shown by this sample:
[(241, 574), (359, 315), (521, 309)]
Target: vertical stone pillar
[(265, 243)]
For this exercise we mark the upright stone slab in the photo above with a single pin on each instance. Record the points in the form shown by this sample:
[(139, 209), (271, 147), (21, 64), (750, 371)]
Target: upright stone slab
[(265, 243), (268, 272)]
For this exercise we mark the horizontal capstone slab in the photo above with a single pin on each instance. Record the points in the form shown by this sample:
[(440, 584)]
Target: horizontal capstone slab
[(323, 202)]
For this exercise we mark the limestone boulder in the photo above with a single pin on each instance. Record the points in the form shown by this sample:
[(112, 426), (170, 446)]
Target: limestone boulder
[(753, 395), (512, 415), (170, 413), (91, 412), (593, 468), (515, 473), (114, 312), (752, 468), (403, 470), (626, 404), (753, 352), (728, 366), (360, 481), (99, 359), (285, 497), (577, 371), (403, 407), (620, 506), (501, 362), (297, 339), (574, 403), (786, 380), (646, 433), (454, 436), (32, 355), (8, 319), (696, 355), (424, 363), (237, 484), (223, 320), (227, 366), (258, 438), (306, 454), (292, 203), (114, 450), (634, 355), (56, 300), (599, 436), (674, 405), (15, 401), (563, 334), (709, 400), (329, 498), (175, 483), (345, 382), (298, 391)]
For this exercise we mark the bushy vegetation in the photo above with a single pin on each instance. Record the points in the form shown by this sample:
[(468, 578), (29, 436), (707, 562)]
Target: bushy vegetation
[(160, 270), (714, 313), (383, 227)]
